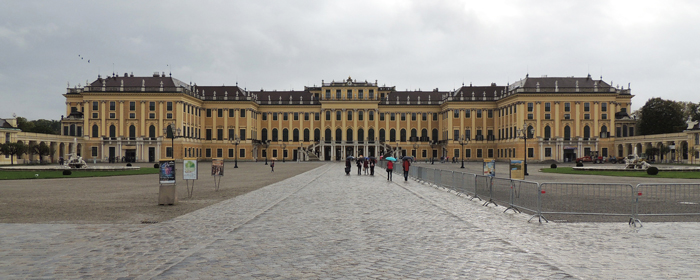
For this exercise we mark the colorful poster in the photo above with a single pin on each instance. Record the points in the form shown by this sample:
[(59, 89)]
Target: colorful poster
[(217, 167), (489, 167), (516, 170), (167, 171), (189, 169)]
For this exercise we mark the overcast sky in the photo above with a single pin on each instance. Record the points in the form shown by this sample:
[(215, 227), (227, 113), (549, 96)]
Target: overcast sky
[(283, 45)]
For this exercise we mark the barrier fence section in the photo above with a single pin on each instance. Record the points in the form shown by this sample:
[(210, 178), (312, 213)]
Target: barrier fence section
[(667, 200), (587, 199)]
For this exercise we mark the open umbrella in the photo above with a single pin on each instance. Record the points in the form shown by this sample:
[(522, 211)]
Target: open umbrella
[(407, 158), (350, 157), (390, 158)]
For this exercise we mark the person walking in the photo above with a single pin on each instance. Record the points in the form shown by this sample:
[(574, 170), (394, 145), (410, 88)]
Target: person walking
[(406, 164), (359, 167), (365, 165), (347, 166), (389, 170), (371, 166), (272, 165)]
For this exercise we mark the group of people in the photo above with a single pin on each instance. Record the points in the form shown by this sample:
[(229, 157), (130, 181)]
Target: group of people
[(366, 164)]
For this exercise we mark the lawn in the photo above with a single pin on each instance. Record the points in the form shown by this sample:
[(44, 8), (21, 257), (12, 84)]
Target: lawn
[(14, 175), (662, 174)]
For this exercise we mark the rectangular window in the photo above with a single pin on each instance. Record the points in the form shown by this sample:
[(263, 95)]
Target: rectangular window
[(132, 115), (95, 106), (285, 117), (456, 114), (567, 107), (231, 112), (467, 113), (413, 116), (547, 116), (371, 115), (242, 113), (567, 116), (208, 134), (231, 134), (220, 113), (230, 153), (468, 153), (208, 113), (338, 95), (530, 116), (151, 115), (95, 115), (547, 152), (478, 113), (381, 116), (241, 153), (169, 152), (490, 113), (112, 115), (241, 134), (530, 107), (112, 106), (424, 153), (403, 116), (338, 115), (424, 117), (605, 152), (349, 94), (317, 116), (455, 135), (586, 107), (296, 116), (456, 153), (169, 116), (349, 115), (490, 153), (169, 106), (360, 94), (328, 94), (547, 107), (151, 106), (604, 106), (208, 152), (371, 94), (604, 116), (132, 106), (586, 116), (219, 134), (479, 153), (306, 116), (274, 116), (435, 116), (393, 116), (94, 151), (274, 153), (219, 153), (530, 152)]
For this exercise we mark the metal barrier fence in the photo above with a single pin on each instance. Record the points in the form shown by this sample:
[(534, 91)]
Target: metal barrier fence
[(561, 199)]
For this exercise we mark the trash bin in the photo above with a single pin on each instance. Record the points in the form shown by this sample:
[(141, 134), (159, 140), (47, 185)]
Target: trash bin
[(167, 194)]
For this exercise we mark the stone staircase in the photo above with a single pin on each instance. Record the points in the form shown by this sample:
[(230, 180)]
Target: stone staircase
[(310, 152)]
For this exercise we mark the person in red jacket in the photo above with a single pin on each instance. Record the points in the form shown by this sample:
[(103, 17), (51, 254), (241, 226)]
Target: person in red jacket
[(389, 169), (406, 164)]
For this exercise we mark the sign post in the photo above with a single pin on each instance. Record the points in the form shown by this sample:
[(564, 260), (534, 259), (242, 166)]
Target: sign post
[(167, 192), (189, 173), (217, 170), (516, 169)]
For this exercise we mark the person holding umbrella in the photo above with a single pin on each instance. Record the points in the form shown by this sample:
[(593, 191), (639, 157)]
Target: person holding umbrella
[(406, 164), (372, 162), (347, 165), (359, 165), (390, 167)]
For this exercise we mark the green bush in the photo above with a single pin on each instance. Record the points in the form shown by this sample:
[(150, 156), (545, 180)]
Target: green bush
[(554, 165), (652, 170), (67, 172)]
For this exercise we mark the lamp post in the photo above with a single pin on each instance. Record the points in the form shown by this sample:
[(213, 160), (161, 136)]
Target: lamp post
[(284, 146), (236, 140), (266, 143), (463, 141), (172, 133), (415, 147), (525, 133)]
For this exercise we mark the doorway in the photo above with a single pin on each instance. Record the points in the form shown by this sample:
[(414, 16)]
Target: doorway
[(151, 154)]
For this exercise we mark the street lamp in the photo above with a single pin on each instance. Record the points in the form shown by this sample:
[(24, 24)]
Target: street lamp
[(415, 147), (172, 133), (463, 141), (266, 144), (236, 140), (284, 146), (525, 134)]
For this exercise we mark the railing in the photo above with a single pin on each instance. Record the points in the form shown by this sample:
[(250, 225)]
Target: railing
[(593, 201)]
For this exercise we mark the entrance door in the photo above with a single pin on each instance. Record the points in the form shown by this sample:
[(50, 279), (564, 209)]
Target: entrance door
[(327, 153), (371, 151), (151, 154), (130, 155), (569, 155), (296, 155), (112, 154)]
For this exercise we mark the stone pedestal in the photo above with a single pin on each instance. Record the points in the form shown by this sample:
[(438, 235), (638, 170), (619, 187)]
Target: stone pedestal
[(167, 194)]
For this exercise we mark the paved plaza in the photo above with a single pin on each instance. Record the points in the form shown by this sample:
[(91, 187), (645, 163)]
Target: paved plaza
[(322, 224)]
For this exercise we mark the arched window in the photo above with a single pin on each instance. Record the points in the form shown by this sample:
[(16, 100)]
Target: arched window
[(435, 134), (72, 130), (567, 133), (274, 134), (586, 132), (306, 135), (414, 135), (530, 131), (403, 135), (295, 135), (392, 135), (317, 134), (132, 131), (263, 135), (338, 134), (424, 135), (285, 135), (382, 135), (349, 135), (112, 131), (360, 134), (370, 134), (95, 131), (152, 131), (547, 132), (328, 135), (603, 131)]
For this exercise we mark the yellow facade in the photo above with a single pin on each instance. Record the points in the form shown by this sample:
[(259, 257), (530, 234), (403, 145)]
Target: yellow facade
[(125, 117)]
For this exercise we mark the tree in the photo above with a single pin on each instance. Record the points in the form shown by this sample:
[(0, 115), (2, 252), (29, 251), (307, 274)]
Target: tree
[(40, 149), (660, 116), (13, 149), (690, 110), (39, 126)]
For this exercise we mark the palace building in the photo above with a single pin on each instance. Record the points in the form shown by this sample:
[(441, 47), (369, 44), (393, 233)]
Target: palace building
[(127, 117)]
